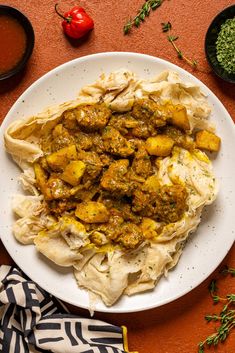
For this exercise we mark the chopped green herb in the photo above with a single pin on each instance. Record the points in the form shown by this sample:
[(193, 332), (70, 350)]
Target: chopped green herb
[(225, 46)]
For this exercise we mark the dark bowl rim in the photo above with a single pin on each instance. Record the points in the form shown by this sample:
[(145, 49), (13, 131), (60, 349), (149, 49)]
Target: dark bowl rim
[(28, 28), (211, 26)]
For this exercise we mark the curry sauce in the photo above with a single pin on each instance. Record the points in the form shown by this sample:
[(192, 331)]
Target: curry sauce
[(12, 43), (101, 167)]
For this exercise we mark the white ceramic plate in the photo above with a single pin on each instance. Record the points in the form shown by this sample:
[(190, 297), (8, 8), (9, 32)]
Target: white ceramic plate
[(205, 249)]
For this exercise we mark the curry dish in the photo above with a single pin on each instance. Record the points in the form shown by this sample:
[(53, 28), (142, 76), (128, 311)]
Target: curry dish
[(100, 168), (117, 183)]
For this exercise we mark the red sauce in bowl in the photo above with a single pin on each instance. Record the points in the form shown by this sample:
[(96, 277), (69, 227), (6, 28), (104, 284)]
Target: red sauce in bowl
[(12, 43)]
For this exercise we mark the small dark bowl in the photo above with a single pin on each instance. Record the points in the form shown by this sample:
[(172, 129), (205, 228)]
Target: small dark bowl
[(210, 43), (25, 23)]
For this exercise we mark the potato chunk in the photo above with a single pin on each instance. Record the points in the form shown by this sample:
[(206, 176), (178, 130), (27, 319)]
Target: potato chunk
[(179, 117), (73, 172), (58, 160), (151, 184), (160, 145), (92, 212), (41, 180), (150, 228), (208, 141)]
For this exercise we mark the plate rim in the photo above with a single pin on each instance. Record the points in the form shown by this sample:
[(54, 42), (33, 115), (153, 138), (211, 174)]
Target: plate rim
[(173, 67)]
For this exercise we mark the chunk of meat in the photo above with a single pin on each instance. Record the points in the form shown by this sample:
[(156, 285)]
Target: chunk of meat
[(180, 139), (58, 207), (128, 235), (142, 202), (159, 115), (147, 109), (171, 203), (106, 159), (166, 204), (69, 120), (87, 192), (115, 143), (83, 140), (123, 122), (141, 164), (97, 143), (61, 138), (92, 117), (121, 209), (114, 181), (144, 109), (109, 227), (56, 140), (144, 130)]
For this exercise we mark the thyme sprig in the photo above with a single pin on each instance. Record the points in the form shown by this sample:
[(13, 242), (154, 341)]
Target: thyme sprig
[(226, 318), (143, 12), (228, 270), (166, 27)]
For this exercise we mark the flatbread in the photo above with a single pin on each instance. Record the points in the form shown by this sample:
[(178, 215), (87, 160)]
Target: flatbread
[(109, 273)]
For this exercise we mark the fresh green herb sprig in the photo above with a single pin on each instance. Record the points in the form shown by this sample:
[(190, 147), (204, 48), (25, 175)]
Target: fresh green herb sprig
[(143, 12), (228, 270), (226, 318), (166, 27)]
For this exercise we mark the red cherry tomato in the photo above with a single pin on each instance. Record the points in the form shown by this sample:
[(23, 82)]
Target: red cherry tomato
[(76, 22)]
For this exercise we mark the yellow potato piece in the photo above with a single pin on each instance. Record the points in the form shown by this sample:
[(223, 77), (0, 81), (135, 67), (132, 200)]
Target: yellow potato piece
[(150, 228), (151, 184), (59, 159), (73, 172), (160, 145), (179, 117), (208, 141), (92, 212), (41, 180)]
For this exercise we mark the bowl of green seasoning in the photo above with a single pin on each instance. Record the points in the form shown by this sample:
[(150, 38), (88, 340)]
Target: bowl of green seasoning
[(220, 44)]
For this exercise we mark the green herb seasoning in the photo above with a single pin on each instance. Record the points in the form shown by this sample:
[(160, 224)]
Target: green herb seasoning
[(225, 46)]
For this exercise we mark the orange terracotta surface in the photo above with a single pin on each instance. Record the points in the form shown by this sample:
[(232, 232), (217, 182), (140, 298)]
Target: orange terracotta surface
[(178, 326)]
